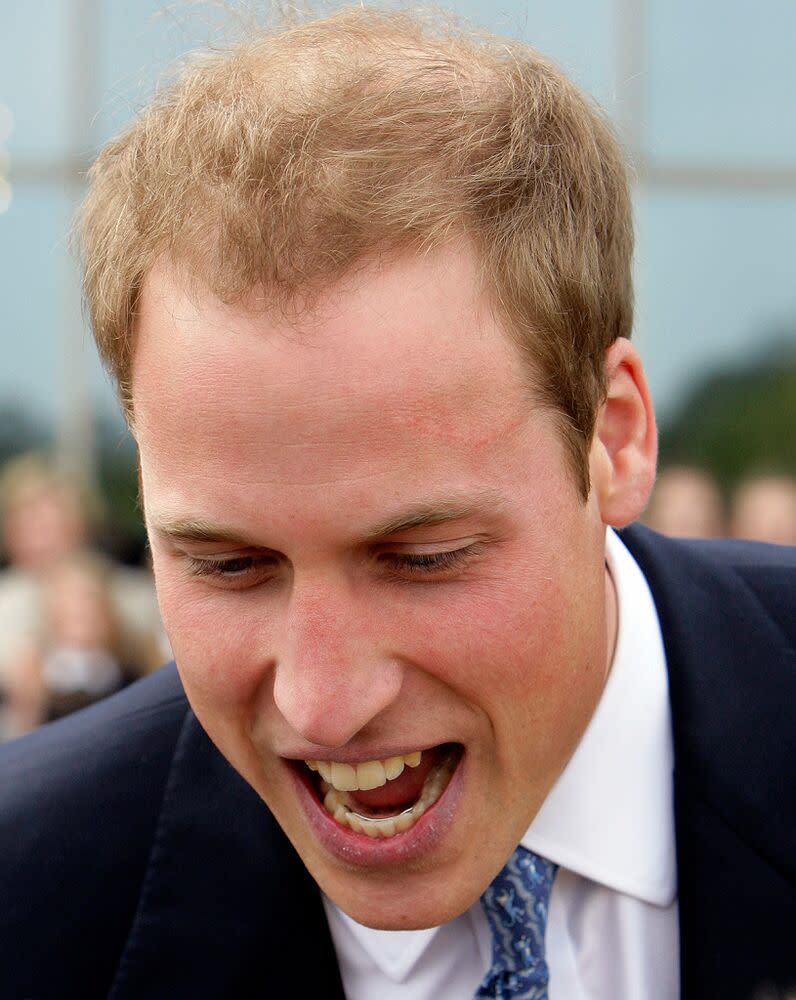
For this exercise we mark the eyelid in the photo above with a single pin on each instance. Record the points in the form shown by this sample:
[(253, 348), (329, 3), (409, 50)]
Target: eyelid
[(209, 549), (238, 570), (207, 564), (220, 551), (434, 563), (422, 545)]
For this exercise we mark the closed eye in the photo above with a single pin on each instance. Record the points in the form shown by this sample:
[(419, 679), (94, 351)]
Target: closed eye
[(427, 564), (235, 572), (240, 572)]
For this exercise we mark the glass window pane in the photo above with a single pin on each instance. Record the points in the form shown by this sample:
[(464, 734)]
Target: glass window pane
[(720, 81), (47, 353), (34, 59), (714, 284)]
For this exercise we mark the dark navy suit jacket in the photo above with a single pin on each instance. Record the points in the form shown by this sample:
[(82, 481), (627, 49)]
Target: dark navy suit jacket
[(136, 864)]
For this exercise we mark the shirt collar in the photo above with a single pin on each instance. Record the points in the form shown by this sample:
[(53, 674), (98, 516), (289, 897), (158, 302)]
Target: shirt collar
[(394, 953), (609, 816)]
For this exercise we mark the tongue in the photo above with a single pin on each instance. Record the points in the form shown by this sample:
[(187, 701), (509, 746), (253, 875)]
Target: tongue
[(401, 792)]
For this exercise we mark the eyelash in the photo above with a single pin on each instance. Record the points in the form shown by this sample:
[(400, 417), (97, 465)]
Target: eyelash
[(398, 564), (428, 562), (230, 568)]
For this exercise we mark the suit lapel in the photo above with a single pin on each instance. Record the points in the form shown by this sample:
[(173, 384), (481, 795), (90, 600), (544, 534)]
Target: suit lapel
[(226, 907), (732, 698)]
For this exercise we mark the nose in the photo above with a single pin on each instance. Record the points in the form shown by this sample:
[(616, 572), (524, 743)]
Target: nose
[(332, 675)]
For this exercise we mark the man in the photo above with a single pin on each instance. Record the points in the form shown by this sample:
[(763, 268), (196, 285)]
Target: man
[(365, 288)]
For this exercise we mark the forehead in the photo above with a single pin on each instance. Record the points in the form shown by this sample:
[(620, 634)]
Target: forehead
[(408, 327), (400, 381)]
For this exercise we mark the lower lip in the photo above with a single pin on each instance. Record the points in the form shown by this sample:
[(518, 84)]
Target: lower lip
[(361, 851)]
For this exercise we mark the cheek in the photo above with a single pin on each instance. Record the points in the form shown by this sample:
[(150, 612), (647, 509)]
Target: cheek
[(526, 656), (220, 643), (477, 639)]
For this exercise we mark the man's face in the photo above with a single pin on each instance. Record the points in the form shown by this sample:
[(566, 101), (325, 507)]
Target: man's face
[(368, 543)]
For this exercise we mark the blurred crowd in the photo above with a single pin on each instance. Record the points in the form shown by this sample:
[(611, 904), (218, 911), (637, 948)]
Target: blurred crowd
[(688, 503), (75, 625)]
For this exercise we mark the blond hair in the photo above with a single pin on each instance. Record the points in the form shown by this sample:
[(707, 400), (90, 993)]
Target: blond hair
[(286, 161)]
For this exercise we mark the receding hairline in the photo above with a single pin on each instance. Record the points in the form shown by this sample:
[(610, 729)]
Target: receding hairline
[(265, 189)]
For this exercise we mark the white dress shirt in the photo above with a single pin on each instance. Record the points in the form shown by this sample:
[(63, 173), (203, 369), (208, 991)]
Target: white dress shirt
[(612, 931)]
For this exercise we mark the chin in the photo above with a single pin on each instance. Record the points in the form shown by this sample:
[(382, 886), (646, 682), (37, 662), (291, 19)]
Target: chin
[(414, 902)]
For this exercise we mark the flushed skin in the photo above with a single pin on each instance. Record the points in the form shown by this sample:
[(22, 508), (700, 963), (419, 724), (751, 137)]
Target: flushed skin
[(293, 446)]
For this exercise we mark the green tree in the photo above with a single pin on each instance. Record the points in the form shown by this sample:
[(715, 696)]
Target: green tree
[(738, 422)]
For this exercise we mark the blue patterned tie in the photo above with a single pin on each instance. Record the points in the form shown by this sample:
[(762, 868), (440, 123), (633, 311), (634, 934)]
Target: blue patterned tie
[(516, 908)]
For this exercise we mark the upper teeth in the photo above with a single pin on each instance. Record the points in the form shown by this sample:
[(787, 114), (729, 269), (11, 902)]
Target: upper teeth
[(364, 776)]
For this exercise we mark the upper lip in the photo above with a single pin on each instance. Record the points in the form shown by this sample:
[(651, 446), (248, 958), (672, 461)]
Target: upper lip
[(358, 755)]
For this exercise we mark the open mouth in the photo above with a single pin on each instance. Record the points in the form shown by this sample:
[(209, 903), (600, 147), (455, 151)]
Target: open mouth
[(384, 798)]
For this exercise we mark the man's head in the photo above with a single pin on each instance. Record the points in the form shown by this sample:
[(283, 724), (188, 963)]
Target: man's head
[(288, 162), (377, 524)]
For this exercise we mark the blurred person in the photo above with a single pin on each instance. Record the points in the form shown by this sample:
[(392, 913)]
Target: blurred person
[(43, 513), (365, 288), (764, 509), (686, 503), (45, 517), (83, 653), (42, 519)]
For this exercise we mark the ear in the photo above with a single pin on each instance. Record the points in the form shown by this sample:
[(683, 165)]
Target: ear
[(625, 446)]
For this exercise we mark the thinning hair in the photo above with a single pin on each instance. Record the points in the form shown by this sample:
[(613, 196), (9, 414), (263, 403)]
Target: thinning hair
[(285, 162)]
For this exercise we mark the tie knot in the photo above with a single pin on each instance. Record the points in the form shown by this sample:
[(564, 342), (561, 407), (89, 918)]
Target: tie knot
[(516, 908)]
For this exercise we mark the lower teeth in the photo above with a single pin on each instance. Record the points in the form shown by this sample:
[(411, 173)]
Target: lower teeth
[(388, 826)]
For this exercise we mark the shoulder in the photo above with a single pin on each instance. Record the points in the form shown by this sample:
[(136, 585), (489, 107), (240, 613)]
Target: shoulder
[(765, 573), (113, 739), (79, 803), (727, 552), (727, 611)]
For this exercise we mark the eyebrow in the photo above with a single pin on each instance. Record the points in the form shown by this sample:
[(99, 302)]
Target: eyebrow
[(427, 514), (191, 529), (442, 511)]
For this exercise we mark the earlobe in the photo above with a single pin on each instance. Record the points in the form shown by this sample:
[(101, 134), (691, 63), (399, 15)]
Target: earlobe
[(625, 445)]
